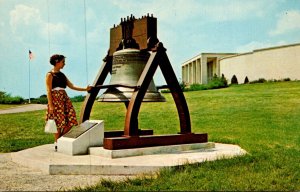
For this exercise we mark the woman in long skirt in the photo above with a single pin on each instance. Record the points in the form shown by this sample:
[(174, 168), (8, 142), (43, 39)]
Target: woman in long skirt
[(60, 107)]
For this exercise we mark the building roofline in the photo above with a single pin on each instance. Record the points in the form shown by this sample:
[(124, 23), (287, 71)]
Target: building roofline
[(239, 54), (198, 55), (276, 47), (207, 53), (262, 49)]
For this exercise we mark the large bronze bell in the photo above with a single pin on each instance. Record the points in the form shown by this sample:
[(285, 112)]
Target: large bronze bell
[(127, 67)]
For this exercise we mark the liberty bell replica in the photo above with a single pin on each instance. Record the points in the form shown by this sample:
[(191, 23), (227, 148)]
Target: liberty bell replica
[(133, 57), (128, 63)]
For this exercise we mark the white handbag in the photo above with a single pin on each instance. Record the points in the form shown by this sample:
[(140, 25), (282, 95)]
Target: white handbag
[(50, 126)]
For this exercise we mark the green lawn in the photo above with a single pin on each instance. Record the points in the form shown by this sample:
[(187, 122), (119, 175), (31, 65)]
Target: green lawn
[(261, 118)]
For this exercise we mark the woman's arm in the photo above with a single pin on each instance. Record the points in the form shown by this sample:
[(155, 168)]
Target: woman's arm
[(49, 79), (71, 86)]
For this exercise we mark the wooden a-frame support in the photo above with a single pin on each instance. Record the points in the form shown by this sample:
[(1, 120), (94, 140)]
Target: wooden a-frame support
[(132, 137)]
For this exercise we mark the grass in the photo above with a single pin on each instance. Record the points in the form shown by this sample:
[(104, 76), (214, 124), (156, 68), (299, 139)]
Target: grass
[(22, 130), (261, 118)]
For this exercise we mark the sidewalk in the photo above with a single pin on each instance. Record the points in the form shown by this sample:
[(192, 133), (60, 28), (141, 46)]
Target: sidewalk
[(24, 108), (16, 177)]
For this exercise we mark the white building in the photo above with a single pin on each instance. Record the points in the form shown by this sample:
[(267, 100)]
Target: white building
[(201, 68), (269, 63)]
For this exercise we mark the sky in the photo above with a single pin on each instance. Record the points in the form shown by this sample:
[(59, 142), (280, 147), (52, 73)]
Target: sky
[(79, 29)]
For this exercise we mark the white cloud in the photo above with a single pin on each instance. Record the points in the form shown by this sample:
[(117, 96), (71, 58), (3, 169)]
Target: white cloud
[(287, 22), (56, 30), (27, 25), (23, 15)]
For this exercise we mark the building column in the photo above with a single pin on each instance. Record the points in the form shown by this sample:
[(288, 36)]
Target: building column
[(189, 74), (194, 72), (198, 70), (203, 70), (218, 67), (184, 73)]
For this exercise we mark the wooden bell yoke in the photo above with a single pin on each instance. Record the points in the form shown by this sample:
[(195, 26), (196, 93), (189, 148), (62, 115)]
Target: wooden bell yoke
[(142, 33)]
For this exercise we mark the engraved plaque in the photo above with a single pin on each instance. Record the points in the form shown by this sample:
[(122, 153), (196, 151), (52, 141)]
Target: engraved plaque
[(79, 130)]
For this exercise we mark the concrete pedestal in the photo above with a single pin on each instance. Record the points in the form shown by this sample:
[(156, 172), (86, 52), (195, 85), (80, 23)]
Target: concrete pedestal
[(44, 158), (100, 151), (80, 138)]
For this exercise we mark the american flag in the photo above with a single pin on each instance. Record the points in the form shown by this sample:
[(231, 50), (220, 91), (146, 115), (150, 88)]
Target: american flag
[(31, 56)]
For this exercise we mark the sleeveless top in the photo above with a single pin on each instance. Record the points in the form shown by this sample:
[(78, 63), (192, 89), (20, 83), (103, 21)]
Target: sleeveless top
[(59, 80)]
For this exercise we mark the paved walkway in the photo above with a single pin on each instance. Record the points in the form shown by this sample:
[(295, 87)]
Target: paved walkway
[(15, 177), (23, 108)]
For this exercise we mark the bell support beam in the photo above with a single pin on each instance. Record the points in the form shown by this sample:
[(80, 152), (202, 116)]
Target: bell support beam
[(91, 96), (131, 124), (173, 85), (158, 58), (116, 85), (131, 137), (152, 140)]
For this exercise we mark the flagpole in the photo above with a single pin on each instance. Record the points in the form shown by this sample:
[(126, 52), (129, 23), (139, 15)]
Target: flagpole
[(29, 76)]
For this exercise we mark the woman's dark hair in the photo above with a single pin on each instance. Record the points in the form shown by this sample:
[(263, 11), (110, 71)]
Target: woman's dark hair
[(56, 58)]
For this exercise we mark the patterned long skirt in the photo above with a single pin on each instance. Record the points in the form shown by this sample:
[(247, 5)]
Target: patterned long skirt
[(64, 113)]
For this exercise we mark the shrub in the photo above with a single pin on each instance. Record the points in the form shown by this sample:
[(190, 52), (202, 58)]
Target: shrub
[(14, 100), (182, 85), (273, 80), (215, 83), (78, 98), (234, 80), (224, 80), (197, 87), (2, 94), (260, 80), (163, 91), (246, 81), (8, 99), (42, 99)]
